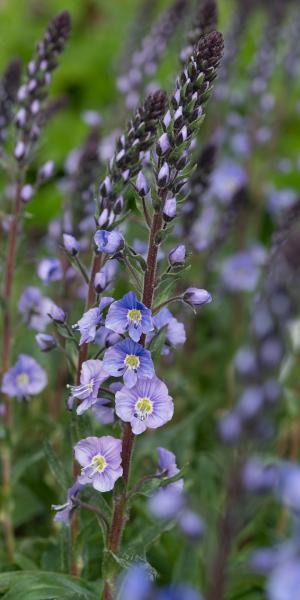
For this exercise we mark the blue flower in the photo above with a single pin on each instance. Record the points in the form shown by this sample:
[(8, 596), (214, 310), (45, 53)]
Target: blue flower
[(91, 320), (128, 314), (91, 376), (129, 359), (100, 459), (26, 378), (175, 331), (109, 242), (35, 308), (49, 269)]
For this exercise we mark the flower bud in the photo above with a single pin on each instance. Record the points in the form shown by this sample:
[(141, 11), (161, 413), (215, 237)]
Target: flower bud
[(19, 151), (119, 205), (169, 211), (109, 242), (196, 297), (27, 192), (45, 342), (46, 171), (106, 187), (35, 107), (142, 184), (21, 118), (167, 119), (57, 314), (104, 218), (71, 245), (163, 175), (182, 136), (177, 256), (100, 282), (163, 145)]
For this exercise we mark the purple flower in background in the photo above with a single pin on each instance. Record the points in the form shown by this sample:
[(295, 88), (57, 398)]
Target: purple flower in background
[(45, 342), (35, 308), (128, 314), (175, 331), (147, 404), (64, 510), (196, 297), (106, 337), (191, 524), (284, 581), (226, 180), (240, 272), (166, 503), (57, 314), (109, 242), (26, 378), (49, 269), (279, 201), (177, 592), (90, 320), (91, 376), (71, 245), (259, 478), (136, 583), (129, 359), (167, 465), (289, 486), (100, 458)]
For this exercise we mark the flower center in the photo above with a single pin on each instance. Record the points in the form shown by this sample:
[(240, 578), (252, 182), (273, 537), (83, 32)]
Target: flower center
[(134, 315), (22, 379), (143, 408), (132, 361), (99, 463)]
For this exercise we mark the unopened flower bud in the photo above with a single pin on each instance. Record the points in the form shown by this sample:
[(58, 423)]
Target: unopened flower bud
[(32, 84), (100, 282), (142, 184), (177, 256), (106, 187), (163, 145), (57, 314), (20, 149), (167, 119), (27, 192), (22, 93), (163, 175), (182, 136), (46, 171), (197, 297), (119, 205), (109, 242), (21, 118), (71, 245), (169, 211), (35, 107), (45, 342)]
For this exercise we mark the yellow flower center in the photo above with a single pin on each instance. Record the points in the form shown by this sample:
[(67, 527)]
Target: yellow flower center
[(132, 361), (22, 379), (143, 408), (134, 315), (99, 463)]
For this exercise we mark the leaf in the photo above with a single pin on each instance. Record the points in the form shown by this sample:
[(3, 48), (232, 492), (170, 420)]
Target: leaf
[(45, 585), (56, 467), (148, 537), (23, 464)]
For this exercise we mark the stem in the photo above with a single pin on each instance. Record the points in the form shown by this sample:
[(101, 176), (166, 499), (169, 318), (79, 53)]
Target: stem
[(166, 302), (227, 530), (83, 354), (119, 513), (6, 361)]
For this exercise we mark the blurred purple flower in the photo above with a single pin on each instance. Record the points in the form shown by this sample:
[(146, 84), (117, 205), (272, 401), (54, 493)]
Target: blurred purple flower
[(49, 269), (26, 378), (91, 320)]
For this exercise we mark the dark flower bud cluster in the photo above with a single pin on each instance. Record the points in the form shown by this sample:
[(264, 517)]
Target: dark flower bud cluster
[(33, 92), (258, 364), (146, 59), (130, 148), (204, 21), (9, 85), (186, 112)]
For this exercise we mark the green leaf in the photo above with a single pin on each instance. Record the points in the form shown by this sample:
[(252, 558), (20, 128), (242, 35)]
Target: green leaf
[(56, 467), (22, 465), (44, 585), (148, 537)]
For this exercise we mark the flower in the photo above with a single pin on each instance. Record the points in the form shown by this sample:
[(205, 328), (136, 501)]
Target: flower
[(57, 314), (226, 180), (129, 359), (100, 458), (284, 581), (90, 320), (91, 376), (49, 269), (240, 272), (166, 503), (34, 308), (169, 211), (191, 524), (136, 583), (109, 242), (147, 404), (129, 314), (71, 245), (142, 184), (177, 256), (45, 342), (175, 331), (64, 510), (25, 378), (167, 464), (196, 297)]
